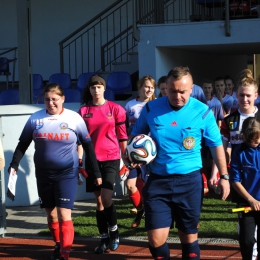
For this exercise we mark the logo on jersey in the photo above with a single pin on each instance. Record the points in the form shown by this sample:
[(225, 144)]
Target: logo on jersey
[(189, 142), (88, 115), (232, 125), (174, 123), (131, 112), (63, 126), (109, 115), (39, 124)]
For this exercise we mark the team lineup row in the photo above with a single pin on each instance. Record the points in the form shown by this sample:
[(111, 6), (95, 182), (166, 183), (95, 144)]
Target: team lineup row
[(168, 190)]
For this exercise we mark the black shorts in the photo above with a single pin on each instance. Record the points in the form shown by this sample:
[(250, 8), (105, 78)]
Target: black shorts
[(109, 172)]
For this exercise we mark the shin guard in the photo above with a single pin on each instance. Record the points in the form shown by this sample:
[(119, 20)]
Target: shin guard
[(162, 252), (136, 199), (191, 251), (66, 237), (55, 231)]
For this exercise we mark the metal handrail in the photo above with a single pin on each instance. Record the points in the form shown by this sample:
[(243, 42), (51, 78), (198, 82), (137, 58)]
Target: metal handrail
[(98, 54), (13, 60), (91, 35)]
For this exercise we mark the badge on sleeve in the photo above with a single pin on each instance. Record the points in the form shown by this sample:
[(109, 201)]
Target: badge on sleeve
[(189, 142), (88, 115)]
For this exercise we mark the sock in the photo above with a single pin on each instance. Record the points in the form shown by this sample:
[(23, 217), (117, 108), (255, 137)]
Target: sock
[(136, 199), (101, 221), (110, 213), (67, 236), (55, 231), (191, 251), (162, 252)]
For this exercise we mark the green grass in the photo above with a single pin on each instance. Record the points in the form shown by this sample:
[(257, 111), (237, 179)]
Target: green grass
[(215, 221)]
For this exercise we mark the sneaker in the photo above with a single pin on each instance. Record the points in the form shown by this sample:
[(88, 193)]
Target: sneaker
[(103, 246), (133, 211), (114, 240), (56, 253), (138, 218)]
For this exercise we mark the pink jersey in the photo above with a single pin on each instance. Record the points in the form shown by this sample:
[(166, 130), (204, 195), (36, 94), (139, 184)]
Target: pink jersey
[(106, 125)]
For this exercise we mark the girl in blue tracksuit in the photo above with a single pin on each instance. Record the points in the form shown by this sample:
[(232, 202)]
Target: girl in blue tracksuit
[(245, 178)]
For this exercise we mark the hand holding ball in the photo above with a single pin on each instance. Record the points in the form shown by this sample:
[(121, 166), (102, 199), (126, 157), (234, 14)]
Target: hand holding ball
[(141, 149)]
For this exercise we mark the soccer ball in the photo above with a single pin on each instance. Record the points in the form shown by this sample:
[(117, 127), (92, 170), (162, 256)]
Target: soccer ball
[(141, 149)]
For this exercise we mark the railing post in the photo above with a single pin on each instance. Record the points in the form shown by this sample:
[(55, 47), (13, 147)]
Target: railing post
[(227, 20), (61, 59), (159, 11), (136, 33)]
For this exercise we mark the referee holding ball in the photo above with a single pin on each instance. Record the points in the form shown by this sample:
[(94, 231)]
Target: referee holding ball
[(174, 190)]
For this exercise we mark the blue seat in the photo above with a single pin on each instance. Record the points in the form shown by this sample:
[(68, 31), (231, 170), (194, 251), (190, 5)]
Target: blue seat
[(9, 97), (37, 81), (83, 80), (109, 95), (63, 79), (119, 82), (38, 96), (72, 95)]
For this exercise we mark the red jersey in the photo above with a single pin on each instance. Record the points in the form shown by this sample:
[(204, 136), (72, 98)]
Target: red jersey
[(106, 125)]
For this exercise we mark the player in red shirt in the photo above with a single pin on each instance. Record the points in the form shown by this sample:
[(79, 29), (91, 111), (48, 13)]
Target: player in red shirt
[(106, 122)]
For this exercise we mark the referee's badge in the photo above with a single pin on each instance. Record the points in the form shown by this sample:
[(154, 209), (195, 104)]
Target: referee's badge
[(189, 142)]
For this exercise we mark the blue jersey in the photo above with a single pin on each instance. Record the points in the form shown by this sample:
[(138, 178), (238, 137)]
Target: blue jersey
[(198, 93), (178, 134), (245, 168), (55, 138), (216, 107)]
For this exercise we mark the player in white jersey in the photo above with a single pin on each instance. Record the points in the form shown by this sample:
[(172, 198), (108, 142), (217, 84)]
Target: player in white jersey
[(137, 177), (56, 132), (225, 99), (229, 82)]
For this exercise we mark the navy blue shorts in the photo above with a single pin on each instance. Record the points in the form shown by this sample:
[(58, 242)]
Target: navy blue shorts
[(57, 193), (142, 171), (175, 197)]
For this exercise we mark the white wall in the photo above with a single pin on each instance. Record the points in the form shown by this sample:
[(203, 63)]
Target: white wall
[(51, 22), (13, 119), (162, 47)]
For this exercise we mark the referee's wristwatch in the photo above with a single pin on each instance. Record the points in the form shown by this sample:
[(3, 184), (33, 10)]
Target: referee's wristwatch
[(224, 176)]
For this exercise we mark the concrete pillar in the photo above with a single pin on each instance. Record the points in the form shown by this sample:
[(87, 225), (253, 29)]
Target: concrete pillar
[(23, 8)]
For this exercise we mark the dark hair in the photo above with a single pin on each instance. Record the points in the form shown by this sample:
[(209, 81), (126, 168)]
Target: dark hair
[(208, 81), (227, 77), (219, 78), (161, 80), (52, 87), (250, 129), (179, 72), (93, 80)]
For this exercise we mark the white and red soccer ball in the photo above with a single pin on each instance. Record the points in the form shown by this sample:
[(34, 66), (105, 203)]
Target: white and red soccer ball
[(141, 149)]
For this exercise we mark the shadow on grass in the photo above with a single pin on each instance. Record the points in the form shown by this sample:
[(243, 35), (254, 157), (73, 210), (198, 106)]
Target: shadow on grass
[(215, 221)]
